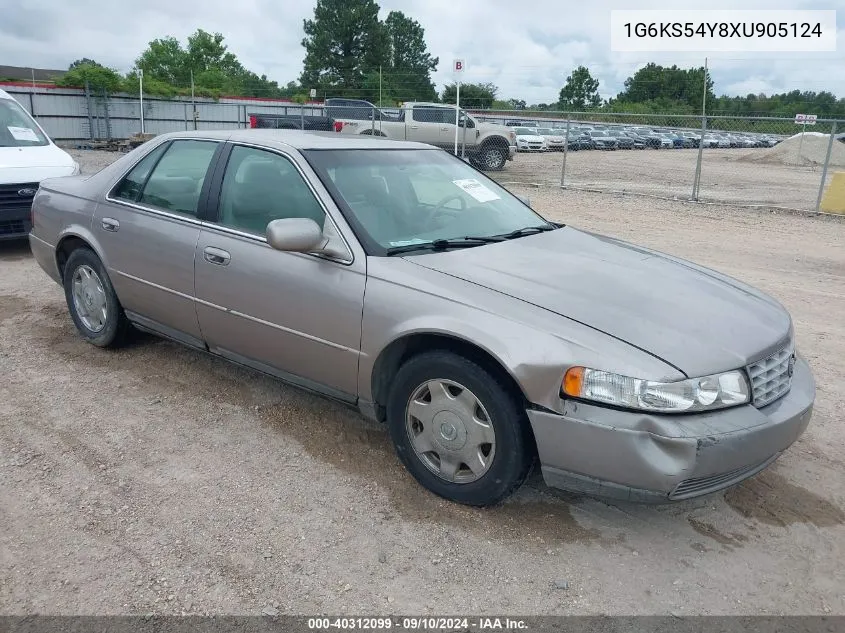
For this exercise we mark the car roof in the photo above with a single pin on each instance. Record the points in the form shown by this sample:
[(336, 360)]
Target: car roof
[(299, 139)]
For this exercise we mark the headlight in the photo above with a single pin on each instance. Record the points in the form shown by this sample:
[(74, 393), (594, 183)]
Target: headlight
[(716, 391)]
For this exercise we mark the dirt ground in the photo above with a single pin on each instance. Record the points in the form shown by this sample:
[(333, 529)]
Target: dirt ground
[(727, 175), (158, 479)]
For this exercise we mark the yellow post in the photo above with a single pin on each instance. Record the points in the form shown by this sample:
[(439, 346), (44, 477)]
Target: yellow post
[(833, 200)]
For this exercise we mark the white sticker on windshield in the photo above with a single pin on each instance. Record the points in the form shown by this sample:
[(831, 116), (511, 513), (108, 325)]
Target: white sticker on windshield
[(414, 240), (476, 190), (22, 133)]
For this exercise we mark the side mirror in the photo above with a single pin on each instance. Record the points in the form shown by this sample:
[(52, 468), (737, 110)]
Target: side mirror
[(297, 235), (303, 235)]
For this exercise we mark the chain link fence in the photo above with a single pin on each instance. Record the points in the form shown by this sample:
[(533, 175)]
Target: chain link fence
[(748, 161), (770, 162)]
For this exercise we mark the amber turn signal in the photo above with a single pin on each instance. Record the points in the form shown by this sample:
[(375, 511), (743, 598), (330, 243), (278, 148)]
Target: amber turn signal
[(573, 381)]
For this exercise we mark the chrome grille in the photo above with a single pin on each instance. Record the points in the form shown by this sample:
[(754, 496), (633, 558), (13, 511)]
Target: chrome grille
[(771, 377)]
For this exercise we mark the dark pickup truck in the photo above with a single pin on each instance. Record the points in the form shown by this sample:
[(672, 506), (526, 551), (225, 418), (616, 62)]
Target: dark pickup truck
[(292, 122), (331, 113)]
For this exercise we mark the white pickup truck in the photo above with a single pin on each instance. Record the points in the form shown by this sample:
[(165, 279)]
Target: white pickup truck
[(488, 146)]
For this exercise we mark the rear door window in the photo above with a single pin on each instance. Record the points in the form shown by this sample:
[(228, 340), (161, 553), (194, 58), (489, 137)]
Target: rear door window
[(176, 181), (130, 187)]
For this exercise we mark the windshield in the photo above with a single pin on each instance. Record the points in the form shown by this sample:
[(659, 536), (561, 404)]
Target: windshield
[(399, 198), (17, 129), (546, 131), (524, 131)]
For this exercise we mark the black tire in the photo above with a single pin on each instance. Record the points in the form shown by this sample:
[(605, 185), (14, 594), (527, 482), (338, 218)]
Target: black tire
[(116, 325), (492, 157), (514, 446)]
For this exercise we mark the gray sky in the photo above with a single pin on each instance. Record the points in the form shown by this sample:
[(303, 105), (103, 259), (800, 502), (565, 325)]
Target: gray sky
[(526, 49)]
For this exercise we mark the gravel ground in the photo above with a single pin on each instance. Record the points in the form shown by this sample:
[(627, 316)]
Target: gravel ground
[(727, 175), (158, 479)]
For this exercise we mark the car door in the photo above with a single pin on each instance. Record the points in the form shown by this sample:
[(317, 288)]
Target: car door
[(428, 124), (148, 228), (294, 315)]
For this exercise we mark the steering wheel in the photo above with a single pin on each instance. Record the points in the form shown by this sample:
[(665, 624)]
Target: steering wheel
[(440, 210)]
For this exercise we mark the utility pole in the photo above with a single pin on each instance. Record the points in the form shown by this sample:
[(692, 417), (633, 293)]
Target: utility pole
[(379, 86)]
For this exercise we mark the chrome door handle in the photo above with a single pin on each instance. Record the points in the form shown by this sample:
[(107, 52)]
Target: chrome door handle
[(415, 127), (444, 129), (110, 224), (216, 256)]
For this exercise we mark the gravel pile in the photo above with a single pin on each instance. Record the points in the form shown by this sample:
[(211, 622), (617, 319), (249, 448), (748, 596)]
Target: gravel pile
[(813, 151)]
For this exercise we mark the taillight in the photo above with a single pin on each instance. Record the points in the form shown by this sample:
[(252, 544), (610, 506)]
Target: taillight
[(338, 126), (253, 121)]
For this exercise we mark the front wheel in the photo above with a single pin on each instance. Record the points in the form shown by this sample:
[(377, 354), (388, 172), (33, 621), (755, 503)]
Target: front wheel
[(91, 300), (492, 158), (458, 429)]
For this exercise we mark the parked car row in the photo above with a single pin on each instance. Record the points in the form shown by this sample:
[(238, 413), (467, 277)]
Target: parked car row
[(609, 137)]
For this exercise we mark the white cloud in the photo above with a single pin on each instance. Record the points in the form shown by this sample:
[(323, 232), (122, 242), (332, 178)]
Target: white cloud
[(527, 50)]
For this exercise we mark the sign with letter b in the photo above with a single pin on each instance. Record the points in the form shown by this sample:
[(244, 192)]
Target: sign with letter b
[(458, 66)]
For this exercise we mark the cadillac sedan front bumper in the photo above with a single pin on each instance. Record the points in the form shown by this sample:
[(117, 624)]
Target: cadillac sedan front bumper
[(646, 457)]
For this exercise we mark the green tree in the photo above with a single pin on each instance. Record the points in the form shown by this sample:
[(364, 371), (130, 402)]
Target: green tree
[(206, 51), (409, 62), (83, 62), (581, 91), (343, 43), (96, 76), (480, 96), (653, 82), (165, 60)]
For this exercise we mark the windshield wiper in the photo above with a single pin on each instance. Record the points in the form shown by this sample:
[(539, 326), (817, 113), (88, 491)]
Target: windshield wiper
[(442, 244), (528, 230)]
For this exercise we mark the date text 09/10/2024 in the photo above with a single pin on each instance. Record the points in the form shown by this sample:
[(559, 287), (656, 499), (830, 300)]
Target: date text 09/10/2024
[(417, 624)]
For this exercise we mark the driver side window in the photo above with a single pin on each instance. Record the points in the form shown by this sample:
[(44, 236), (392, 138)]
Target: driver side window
[(261, 186)]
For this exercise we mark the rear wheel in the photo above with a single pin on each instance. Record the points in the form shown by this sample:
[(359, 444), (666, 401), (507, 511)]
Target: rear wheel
[(458, 429), (91, 300)]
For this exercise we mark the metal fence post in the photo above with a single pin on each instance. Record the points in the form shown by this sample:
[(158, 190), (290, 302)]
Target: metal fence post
[(186, 117), (88, 108), (106, 114), (565, 152), (826, 164), (696, 181)]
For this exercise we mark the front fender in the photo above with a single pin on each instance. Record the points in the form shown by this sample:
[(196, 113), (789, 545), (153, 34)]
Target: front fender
[(533, 345)]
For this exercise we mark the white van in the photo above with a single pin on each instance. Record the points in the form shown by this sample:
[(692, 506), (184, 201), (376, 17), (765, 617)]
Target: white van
[(27, 156)]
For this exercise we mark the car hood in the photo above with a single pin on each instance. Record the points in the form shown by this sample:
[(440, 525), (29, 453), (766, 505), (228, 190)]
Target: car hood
[(695, 319), (529, 137), (33, 164)]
